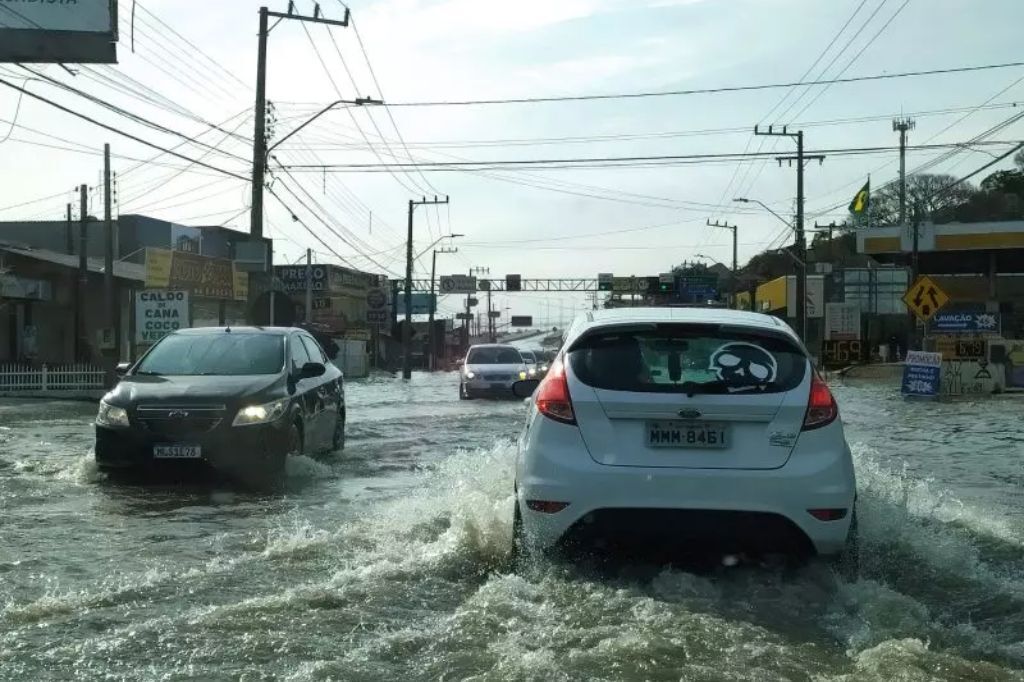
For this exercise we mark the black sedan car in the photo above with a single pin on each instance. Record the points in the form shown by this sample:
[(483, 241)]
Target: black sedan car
[(239, 400)]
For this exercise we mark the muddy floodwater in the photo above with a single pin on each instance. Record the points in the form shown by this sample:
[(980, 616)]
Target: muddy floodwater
[(390, 562)]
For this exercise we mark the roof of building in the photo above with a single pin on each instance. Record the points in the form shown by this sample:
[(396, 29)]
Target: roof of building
[(122, 270), (1006, 234)]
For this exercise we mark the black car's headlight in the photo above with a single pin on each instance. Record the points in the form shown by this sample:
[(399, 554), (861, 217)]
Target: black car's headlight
[(261, 414), (111, 415)]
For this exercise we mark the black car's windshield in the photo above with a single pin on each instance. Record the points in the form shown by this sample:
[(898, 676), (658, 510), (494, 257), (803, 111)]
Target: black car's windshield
[(528, 356), (227, 354), (494, 356)]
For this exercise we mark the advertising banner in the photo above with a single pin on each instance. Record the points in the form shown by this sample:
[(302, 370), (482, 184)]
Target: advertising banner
[(922, 374), (842, 321), (965, 323), (58, 31), (158, 313), (202, 276)]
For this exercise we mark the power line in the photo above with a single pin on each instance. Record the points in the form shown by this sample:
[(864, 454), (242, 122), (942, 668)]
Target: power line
[(122, 133), (611, 161), (710, 91), (127, 114)]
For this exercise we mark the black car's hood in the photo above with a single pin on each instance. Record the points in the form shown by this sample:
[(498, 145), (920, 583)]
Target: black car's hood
[(194, 389)]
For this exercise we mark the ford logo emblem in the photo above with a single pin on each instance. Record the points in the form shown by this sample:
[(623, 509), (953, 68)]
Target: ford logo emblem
[(690, 414), (177, 414)]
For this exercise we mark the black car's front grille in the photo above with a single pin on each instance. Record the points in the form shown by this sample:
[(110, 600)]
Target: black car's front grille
[(176, 422), (496, 377)]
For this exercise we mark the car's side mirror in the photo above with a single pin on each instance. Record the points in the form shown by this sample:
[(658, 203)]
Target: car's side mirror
[(312, 370), (122, 368), (524, 389)]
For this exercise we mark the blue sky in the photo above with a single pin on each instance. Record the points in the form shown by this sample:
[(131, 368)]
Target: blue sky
[(454, 49)]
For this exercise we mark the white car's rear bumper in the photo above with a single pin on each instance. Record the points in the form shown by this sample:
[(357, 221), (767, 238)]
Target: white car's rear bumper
[(555, 466)]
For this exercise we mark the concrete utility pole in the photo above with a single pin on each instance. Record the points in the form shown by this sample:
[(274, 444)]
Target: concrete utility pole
[(259, 143), (69, 234), (432, 302), (902, 125), (83, 272), (109, 297), (801, 241), (309, 286), (407, 330), (735, 249)]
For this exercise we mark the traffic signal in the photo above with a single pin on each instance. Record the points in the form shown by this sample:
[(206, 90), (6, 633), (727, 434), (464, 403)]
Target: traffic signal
[(513, 283)]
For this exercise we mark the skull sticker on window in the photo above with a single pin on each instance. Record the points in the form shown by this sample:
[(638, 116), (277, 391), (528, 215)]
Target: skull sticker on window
[(744, 366)]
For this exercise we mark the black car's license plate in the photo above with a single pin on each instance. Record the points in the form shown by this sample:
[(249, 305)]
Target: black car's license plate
[(678, 434), (177, 452)]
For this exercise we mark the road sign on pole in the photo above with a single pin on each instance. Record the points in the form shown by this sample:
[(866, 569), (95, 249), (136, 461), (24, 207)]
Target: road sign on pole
[(458, 284), (925, 298)]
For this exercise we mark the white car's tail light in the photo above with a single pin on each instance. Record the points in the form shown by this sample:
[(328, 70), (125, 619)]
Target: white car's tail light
[(821, 406), (552, 395)]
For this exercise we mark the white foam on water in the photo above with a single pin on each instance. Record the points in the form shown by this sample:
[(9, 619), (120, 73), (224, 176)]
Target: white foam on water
[(923, 498), (913, 660), (303, 467), (78, 470), (942, 533)]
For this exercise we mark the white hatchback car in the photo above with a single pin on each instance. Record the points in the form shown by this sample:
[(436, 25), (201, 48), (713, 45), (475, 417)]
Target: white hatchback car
[(684, 428)]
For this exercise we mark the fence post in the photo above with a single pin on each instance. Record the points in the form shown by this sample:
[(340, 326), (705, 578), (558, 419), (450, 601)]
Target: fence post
[(44, 378)]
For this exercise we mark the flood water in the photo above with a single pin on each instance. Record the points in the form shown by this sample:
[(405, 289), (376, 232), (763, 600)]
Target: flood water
[(390, 562)]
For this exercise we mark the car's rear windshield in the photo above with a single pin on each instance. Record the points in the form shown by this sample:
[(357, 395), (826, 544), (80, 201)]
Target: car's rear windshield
[(689, 359), (227, 354), (494, 356)]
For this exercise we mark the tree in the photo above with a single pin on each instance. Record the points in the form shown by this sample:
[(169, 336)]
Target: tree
[(926, 190)]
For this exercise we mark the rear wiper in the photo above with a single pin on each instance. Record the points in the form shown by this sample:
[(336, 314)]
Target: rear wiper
[(692, 388)]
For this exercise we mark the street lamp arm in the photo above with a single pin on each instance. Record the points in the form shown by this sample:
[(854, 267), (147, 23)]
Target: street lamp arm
[(436, 242), (358, 102), (765, 206)]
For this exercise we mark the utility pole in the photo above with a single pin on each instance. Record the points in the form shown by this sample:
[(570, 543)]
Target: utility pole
[(309, 286), (69, 234), (432, 303), (108, 263), (259, 143), (407, 330), (83, 273), (902, 125), (801, 240), (735, 250)]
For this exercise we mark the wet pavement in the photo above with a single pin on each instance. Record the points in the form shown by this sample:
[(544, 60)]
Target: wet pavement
[(390, 561)]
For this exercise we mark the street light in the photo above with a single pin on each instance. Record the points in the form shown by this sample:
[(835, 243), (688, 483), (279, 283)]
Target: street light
[(744, 200), (358, 102), (432, 301), (436, 242)]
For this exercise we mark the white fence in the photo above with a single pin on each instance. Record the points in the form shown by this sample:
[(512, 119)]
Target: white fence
[(22, 378)]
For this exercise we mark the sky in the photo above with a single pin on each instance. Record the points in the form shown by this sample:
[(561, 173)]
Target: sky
[(193, 65)]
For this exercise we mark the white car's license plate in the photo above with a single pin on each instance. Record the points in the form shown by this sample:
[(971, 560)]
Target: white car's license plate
[(177, 452), (677, 434)]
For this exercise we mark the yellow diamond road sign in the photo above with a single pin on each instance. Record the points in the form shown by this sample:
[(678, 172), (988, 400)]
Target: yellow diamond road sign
[(925, 298)]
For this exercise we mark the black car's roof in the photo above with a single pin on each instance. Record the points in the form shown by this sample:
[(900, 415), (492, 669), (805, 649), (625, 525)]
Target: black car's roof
[(209, 331)]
